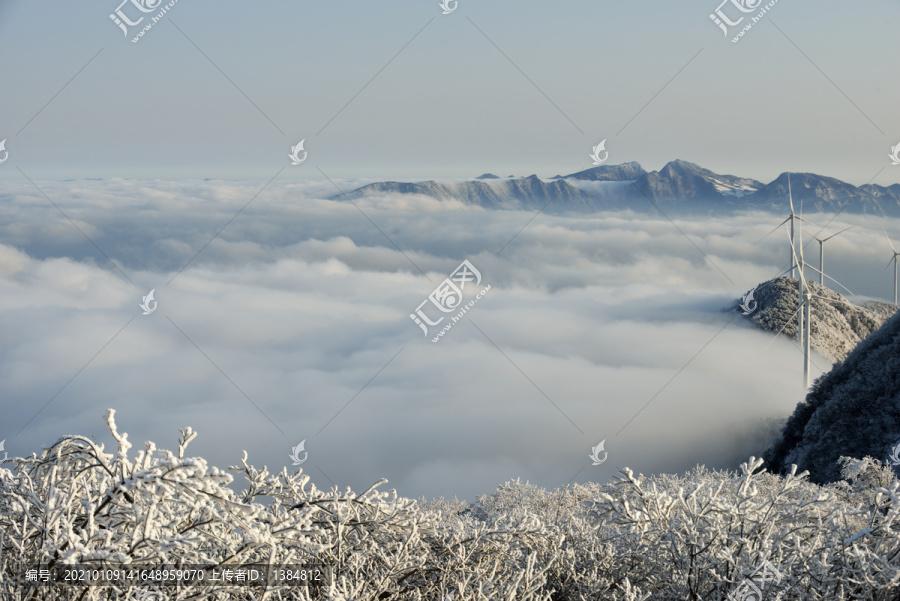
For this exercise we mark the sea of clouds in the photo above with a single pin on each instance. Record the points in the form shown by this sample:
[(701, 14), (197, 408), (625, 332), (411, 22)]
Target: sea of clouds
[(283, 317)]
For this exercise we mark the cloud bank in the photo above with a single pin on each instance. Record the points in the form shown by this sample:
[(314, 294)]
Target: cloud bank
[(293, 324)]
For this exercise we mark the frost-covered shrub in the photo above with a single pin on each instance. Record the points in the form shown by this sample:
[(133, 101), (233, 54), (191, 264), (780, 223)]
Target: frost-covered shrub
[(694, 536), (698, 536), (863, 475), (77, 504)]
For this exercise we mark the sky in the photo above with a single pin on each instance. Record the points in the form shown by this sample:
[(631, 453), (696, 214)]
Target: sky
[(282, 316), (398, 90)]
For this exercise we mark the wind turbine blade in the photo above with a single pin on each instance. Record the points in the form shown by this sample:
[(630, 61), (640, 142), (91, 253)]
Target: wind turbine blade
[(824, 298), (894, 258), (889, 239), (784, 272), (839, 284), (790, 197), (798, 218), (840, 232), (799, 227), (789, 320), (773, 230), (832, 279), (798, 261)]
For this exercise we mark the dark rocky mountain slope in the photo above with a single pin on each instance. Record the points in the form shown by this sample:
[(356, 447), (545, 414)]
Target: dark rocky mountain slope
[(852, 411)]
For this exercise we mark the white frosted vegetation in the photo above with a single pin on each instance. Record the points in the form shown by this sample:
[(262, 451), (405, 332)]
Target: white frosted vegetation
[(694, 536), (838, 325)]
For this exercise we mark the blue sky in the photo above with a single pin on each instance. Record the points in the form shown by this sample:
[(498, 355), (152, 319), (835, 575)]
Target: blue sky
[(812, 87)]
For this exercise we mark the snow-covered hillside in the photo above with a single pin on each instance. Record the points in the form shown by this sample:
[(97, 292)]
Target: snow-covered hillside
[(837, 324)]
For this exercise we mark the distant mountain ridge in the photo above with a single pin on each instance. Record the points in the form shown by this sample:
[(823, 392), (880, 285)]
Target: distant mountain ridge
[(679, 185), (609, 173), (528, 192)]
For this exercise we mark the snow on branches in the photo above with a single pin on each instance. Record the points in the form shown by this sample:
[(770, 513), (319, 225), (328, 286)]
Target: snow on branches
[(696, 536)]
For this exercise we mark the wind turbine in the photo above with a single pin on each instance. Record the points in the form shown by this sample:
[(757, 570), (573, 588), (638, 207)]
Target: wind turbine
[(805, 295), (822, 242), (793, 217), (792, 261), (803, 310), (894, 259), (798, 263), (802, 288)]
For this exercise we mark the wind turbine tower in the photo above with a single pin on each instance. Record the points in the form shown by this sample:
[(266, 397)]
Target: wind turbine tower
[(793, 217), (894, 259), (822, 242), (801, 281), (804, 292), (803, 312)]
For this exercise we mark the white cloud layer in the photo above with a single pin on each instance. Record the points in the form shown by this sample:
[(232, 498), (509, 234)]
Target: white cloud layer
[(301, 306)]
